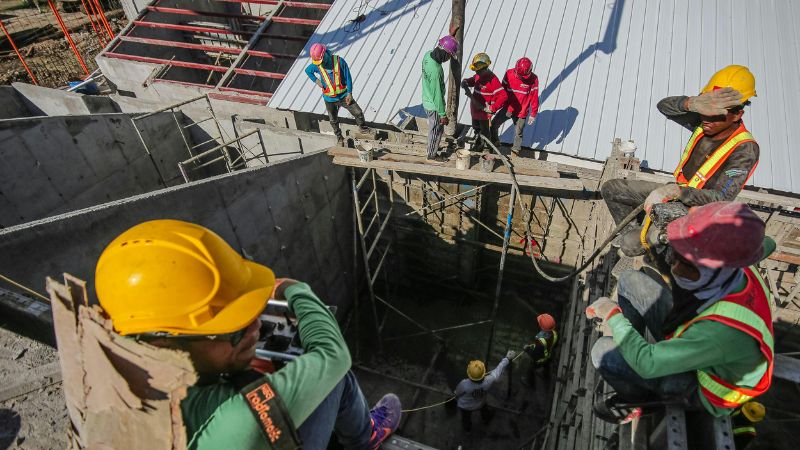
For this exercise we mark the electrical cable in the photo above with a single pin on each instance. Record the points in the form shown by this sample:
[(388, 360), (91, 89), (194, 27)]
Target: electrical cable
[(429, 406), (629, 218)]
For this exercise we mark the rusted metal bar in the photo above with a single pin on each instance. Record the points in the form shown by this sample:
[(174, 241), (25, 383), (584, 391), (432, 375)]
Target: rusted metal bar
[(68, 36), (19, 55)]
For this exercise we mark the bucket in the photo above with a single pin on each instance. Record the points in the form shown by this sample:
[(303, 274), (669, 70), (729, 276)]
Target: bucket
[(487, 163), (463, 159), (364, 154)]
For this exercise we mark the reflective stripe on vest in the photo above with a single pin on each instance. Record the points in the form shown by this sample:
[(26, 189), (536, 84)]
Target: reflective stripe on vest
[(727, 311), (547, 348), (335, 88), (744, 430), (714, 160)]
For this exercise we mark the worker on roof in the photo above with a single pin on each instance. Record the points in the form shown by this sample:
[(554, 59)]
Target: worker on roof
[(743, 423), (178, 285), (471, 391), (541, 349), (522, 88), (710, 337), (486, 99), (716, 163), (433, 90), (331, 73)]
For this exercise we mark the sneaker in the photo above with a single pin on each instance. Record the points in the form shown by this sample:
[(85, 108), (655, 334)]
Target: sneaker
[(385, 418), (606, 410)]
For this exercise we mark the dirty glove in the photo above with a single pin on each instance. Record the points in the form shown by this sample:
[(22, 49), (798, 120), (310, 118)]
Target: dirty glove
[(665, 193), (348, 99), (464, 84), (511, 354), (488, 110), (714, 103), (602, 308), (531, 119)]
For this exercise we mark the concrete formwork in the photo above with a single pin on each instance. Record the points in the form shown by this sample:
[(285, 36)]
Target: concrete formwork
[(295, 216)]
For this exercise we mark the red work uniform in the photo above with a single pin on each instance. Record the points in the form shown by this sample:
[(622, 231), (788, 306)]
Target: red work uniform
[(488, 91), (523, 94)]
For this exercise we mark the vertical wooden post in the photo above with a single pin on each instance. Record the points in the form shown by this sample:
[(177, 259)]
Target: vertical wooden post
[(453, 84)]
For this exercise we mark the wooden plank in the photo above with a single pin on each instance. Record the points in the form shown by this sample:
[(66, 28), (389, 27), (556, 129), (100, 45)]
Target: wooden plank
[(557, 186)]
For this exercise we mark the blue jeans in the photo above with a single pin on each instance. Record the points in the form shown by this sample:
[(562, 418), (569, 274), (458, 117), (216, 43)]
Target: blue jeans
[(646, 303), (345, 412)]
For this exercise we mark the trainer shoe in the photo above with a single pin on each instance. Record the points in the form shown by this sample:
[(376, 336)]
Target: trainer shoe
[(385, 418)]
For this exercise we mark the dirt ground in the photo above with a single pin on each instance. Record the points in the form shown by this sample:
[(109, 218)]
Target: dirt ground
[(36, 419)]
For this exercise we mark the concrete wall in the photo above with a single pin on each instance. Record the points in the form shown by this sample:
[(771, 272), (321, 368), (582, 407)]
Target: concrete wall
[(51, 165), (295, 216), (12, 104)]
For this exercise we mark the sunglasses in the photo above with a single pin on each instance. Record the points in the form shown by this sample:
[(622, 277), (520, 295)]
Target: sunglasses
[(234, 338)]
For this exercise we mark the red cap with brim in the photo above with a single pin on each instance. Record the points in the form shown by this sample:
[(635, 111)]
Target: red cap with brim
[(720, 234)]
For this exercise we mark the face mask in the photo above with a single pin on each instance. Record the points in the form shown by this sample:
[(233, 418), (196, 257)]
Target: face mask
[(713, 283)]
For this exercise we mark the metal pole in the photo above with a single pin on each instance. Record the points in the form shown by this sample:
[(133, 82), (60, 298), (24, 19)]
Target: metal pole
[(498, 289), (19, 55), (68, 36)]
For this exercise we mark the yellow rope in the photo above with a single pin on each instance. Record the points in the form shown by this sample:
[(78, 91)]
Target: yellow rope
[(24, 288), (429, 406)]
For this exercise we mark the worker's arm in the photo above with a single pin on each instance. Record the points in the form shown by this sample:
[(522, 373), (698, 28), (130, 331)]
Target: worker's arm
[(728, 181), (438, 88), (534, 96), (535, 351), (348, 80), (675, 110), (499, 99), (703, 345), (470, 81), (311, 71), (495, 374)]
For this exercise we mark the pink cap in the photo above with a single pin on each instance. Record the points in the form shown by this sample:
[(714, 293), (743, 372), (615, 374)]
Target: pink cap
[(317, 53), (720, 234)]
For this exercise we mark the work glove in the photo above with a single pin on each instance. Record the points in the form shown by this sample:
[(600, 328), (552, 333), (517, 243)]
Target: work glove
[(444, 120), (602, 308), (488, 110), (531, 119), (511, 354), (663, 194), (464, 84), (715, 103)]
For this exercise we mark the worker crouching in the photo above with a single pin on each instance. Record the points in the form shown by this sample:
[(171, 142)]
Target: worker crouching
[(180, 286), (487, 98), (471, 391), (710, 337)]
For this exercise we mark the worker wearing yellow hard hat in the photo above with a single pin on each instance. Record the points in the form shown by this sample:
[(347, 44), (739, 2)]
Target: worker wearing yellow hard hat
[(487, 97), (179, 285), (715, 164), (471, 391)]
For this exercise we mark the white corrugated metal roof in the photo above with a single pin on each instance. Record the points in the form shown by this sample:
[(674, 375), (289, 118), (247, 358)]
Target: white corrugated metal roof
[(602, 67)]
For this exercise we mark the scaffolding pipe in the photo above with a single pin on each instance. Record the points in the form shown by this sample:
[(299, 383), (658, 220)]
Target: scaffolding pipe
[(506, 237), (19, 55), (103, 18), (68, 36)]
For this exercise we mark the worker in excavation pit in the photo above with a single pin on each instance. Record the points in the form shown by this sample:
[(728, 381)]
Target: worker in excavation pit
[(716, 163), (522, 89), (433, 91), (486, 99), (332, 74), (471, 391), (178, 285), (709, 340), (541, 349)]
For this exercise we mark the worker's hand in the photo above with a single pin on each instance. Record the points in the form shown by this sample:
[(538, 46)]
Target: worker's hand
[(665, 193), (444, 120), (488, 110), (348, 99), (715, 103), (602, 308), (527, 347), (531, 120), (511, 354), (319, 83), (280, 287), (464, 84)]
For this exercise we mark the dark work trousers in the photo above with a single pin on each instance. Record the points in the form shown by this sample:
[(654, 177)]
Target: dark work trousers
[(519, 127), (484, 128), (333, 114), (623, 196), (466, 417)]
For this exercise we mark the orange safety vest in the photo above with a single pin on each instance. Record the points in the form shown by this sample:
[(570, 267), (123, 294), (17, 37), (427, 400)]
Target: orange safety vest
[(335, 88), (749, 311), (714, 160)]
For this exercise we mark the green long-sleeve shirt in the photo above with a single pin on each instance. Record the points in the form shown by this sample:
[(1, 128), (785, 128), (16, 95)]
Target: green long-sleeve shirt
[(216, 416), (711, 346), (432, 85)]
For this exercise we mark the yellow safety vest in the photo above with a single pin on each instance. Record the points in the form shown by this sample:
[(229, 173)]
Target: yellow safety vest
[(714, 160), (548, 348), (335, 88)]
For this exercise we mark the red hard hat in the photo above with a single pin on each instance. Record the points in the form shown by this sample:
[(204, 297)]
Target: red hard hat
[(317, 52), (523, 67), (546, 322), (720, 234)]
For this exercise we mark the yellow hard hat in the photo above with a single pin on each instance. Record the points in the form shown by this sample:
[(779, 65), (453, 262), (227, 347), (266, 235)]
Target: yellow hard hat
[(476, 370), (180, 278), (737, 77), (754, 411), (480, 61)]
